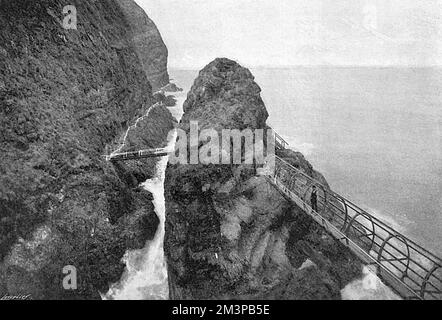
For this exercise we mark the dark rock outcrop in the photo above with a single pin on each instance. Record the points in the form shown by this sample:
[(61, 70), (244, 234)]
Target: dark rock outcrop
[(66, 97), (149, 45), (168, 101), (230, 233)]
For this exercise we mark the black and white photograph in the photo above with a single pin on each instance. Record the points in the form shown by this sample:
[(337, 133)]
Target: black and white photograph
[(217, 157)]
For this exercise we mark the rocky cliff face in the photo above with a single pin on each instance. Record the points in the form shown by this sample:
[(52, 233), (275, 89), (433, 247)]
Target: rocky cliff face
[(149, 45), (66, 98), (229, 232)]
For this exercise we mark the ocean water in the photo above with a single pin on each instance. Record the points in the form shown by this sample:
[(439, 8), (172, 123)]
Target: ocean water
[(375, 133)]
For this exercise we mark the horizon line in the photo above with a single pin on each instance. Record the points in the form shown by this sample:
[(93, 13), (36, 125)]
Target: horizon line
[(397, 66)]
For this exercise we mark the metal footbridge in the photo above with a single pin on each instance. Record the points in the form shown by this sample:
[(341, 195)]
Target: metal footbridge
[(134, 155), (411, 270)]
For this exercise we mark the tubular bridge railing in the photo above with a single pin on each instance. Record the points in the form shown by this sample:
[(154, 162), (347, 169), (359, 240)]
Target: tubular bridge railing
[(414, 272), (133, 155), (410, 269)]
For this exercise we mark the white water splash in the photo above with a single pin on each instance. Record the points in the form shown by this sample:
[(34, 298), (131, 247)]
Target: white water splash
[(370, 287), (145, 277)]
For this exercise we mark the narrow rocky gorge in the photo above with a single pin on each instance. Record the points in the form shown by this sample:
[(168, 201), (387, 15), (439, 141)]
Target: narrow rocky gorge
[(67, 97)]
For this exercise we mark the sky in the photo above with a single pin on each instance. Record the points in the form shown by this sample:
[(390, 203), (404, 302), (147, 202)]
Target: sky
[(281, 33)]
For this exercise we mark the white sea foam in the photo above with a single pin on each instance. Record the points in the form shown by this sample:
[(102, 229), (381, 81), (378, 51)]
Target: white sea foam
[(146, 274), (145, 277), (369, 287)]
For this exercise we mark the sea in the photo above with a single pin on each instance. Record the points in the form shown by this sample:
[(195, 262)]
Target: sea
[(375, 133)]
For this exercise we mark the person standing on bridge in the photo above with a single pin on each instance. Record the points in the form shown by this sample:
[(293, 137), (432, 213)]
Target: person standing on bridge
[(314, 199)]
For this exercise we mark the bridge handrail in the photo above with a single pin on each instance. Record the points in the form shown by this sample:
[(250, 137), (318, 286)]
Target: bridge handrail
[(138, 152), (355, 206), (367, 256), (280, 139), (391, 233), (379, 234)]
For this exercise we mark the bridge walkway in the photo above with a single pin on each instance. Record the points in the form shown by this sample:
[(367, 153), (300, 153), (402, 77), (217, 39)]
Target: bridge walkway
[(410, 269)]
